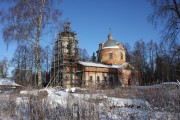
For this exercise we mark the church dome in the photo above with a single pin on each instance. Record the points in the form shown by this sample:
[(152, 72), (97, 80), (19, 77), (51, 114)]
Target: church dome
[(110, 43)]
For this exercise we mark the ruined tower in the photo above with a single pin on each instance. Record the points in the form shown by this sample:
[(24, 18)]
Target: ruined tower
[(65, 59)]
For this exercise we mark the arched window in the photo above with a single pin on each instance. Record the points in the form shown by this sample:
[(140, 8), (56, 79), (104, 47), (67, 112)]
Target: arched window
[(98, 79), (122, 56), (90, 79), (110, 56)]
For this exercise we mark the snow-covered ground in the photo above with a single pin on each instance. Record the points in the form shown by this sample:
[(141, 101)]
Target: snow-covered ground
[(123, 102), (108, 107), (6, 81), (158, 85), (141, 114), (7, 86)]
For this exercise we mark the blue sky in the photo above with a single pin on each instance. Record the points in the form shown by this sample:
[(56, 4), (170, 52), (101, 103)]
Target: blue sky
[(91, 20)]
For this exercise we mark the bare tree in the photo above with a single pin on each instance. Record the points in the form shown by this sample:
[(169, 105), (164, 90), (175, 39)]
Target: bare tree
[(22, 62), (4, 68), (46, 54), (167, 12), (151, 51), (93, 57), (84, 56), (138, 59), (29, 21)]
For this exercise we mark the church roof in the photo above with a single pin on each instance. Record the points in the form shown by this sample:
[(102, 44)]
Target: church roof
[(110, 43), (92, 64)]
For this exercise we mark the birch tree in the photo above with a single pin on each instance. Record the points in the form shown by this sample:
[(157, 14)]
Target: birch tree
[(28, 21)]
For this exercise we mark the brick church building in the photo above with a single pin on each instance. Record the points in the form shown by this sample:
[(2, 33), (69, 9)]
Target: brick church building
[(111, 68)]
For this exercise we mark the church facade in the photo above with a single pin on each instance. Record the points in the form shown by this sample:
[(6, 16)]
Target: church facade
[(111, 68)]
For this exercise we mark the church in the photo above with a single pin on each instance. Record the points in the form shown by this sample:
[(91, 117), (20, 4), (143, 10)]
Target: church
[(111, 68)]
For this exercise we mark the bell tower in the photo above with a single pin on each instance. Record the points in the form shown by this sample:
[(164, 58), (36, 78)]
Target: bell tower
[(65, 59)]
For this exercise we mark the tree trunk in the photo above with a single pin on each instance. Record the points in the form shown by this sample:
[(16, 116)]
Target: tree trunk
[(37, 43), (38, 63)]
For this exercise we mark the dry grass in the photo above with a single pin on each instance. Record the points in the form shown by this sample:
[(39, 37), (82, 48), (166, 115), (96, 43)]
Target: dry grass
[(166, 98), (38, 107), (35, 107), (162, 100)]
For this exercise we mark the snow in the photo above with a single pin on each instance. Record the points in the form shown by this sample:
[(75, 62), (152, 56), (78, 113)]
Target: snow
[(109, 107), (171, 83), (89, 96), (8, 92), (111, 47), (22, 108), (5, 81), (60, 97), (123, 102), (140, 114), (92, 64), (54, 96), (147, 87), (157, 85), (72, 90), (34, 92)]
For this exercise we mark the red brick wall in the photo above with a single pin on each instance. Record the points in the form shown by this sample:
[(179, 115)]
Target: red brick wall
[(116, 56), (130, 77), (101, 72)]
